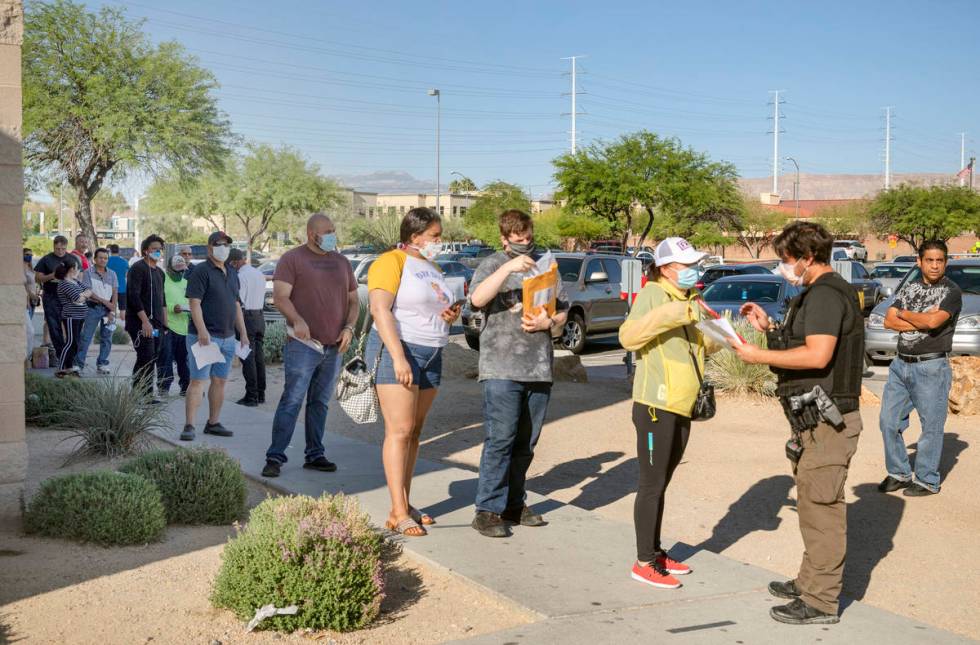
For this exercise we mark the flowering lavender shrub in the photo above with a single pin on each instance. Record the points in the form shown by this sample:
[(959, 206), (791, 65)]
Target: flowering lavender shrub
[(319, 554)]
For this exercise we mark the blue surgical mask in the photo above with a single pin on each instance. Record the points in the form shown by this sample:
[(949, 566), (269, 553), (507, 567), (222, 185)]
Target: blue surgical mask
[(687, 278), (156, 255), (328, 242)]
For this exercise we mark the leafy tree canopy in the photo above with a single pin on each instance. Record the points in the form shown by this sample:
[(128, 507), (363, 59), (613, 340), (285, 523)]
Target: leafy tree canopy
[(918, 213), (498, 196), (463, 185)]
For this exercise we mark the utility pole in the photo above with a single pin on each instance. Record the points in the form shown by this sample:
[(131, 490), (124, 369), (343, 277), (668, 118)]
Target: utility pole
[(962, 155), (438, 96), (775, 140), (888, 147), (973, 164), (796, 186), (61, 209), (574, 95)]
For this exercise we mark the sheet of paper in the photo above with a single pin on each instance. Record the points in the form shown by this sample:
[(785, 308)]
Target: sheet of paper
[(720, 330), (206, 354), (542, 265), (242, 352), (101, 290), (312, 343)]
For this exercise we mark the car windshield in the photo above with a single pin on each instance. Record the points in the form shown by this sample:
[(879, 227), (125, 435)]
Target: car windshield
[(569, 268), (966, 277), (889, 272), (742, 291), (268, 267)]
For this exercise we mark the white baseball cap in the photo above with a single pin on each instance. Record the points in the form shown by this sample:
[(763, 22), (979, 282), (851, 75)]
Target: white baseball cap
[(677, 249)]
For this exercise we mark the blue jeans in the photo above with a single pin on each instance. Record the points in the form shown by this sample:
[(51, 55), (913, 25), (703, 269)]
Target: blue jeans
[(310, 375), (925, 387), (92, 322), (513, 415), (173, 349)]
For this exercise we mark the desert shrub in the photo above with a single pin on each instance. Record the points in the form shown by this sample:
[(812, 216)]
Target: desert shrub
[(112, 419), (321, 555), (104, 507), (119, 335), (199, 486), (274, 342), (44, 396), (733, 376)]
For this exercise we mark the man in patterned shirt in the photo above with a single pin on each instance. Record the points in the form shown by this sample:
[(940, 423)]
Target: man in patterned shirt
[(924, 313)]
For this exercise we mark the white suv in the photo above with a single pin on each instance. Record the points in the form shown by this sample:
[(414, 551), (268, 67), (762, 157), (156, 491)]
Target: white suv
[(854, 249)]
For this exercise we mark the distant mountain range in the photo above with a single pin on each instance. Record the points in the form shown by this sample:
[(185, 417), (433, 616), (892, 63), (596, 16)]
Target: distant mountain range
[(386, 181), (813, 186)]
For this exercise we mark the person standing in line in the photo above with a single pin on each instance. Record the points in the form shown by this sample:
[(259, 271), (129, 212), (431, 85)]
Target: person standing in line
[(185, 251), (147, 307), (413, 308), (216, 314), (101, 311), (174, 346), (44, 274), (72, 295), (81, 250), (924, 313), (30, 286), (516, 359), (315, 290), (670, 361), (120, 267), (252, 296)]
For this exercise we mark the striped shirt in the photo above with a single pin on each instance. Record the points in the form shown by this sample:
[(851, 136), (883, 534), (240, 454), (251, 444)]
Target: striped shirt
[(69, 293)]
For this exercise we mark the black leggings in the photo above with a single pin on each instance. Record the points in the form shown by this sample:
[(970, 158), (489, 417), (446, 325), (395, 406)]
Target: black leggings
[(72, 328), (659, 448)]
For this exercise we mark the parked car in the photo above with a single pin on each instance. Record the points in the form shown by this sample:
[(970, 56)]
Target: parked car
[(471, 256), (881, 343), (912, 259), (268, 268), (869, 289), (854, 249), (455, 269), (889, 274), (725, 270), (592, 282), (771, 292)]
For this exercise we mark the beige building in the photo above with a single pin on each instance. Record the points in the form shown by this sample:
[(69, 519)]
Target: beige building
[(451, 205)]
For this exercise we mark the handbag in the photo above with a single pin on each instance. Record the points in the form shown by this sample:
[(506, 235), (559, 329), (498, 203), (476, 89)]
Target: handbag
[(704, 404), (356, 393)]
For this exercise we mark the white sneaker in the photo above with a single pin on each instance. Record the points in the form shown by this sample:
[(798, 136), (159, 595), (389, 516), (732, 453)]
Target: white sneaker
[(102, 369)]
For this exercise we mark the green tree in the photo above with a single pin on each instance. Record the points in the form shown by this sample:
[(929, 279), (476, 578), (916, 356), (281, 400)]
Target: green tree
[(650, 174), (916, 213), (174, 227), (454, 230), (464, 185), (498, 196), (101, 102), (582, 228), (102, 206), (846, 220), (382, 232), (755, 226), (254, 193)]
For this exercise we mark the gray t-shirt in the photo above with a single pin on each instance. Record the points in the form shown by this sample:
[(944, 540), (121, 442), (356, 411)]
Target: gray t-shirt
[(507, 352)]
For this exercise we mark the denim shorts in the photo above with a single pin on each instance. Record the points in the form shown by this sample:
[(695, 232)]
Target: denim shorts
[(426, 363), (217, 370)]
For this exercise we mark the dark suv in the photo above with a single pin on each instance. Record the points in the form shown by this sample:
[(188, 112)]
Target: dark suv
[(727, 270)]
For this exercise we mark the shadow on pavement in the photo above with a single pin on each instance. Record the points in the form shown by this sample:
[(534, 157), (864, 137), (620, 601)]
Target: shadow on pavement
[(872, 520), (952, 447), (756, 510)]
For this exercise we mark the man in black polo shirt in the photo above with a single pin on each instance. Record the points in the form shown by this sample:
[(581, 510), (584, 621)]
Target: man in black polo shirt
[(216, 313), (44, 274), (924, 313)]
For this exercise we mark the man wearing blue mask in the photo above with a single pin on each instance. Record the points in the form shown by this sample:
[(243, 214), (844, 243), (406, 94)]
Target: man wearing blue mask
[(147, 307), (315, 290)]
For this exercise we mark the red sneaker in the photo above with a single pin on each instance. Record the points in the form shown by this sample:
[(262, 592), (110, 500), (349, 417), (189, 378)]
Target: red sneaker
[(655, 575), (673, 566)]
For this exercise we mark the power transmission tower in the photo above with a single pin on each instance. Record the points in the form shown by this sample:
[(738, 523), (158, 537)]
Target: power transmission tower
[(775, 139), (888, 147), (574, 94)]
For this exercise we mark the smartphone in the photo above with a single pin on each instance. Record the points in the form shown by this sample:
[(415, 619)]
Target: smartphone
[(458, 303)]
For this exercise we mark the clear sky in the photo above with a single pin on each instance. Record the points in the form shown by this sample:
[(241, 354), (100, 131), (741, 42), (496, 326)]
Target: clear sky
[(346, 82)]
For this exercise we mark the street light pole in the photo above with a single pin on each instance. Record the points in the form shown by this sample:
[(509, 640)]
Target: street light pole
[(796, 186), (438, 96)]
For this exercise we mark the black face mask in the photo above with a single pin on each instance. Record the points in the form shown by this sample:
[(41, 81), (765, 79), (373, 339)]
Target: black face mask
[(514, 249)]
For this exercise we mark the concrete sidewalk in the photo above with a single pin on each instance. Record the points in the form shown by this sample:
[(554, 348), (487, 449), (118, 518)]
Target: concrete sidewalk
[(573, 573)]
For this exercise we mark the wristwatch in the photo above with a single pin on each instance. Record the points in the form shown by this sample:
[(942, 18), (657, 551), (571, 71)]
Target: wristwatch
[(350, 327)]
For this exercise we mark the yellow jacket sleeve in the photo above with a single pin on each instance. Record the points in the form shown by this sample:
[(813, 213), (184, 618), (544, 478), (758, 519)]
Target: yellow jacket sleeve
[(650, 318)]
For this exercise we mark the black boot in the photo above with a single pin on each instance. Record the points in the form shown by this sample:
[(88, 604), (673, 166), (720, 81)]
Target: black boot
[(785, 590), (800, 613)]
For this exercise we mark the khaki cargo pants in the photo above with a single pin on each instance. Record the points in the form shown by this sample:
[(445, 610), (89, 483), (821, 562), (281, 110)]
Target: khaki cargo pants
[(820, 476)]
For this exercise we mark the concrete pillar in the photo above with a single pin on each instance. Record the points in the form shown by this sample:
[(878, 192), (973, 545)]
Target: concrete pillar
[(13, 343)]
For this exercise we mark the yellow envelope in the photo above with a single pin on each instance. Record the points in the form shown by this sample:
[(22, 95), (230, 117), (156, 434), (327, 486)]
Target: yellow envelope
[(541, 292)]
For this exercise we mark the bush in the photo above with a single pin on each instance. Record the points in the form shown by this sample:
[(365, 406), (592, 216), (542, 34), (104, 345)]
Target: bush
[(119, 335), (103, 506), (200, 486), (113, 419), (274, 342), (44, 396), (731, 375), (319, 554)]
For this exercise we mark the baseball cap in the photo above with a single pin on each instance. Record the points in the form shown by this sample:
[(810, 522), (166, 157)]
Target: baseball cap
[(677, 249), (235, 255), (217, 236)]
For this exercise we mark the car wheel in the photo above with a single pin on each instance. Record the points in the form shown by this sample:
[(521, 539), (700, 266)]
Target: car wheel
[(573, 335), (473, 340)]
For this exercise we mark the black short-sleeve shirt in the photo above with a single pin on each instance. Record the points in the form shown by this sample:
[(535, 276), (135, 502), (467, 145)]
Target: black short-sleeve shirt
[(919, 296), (47, 265), (217, 290), (822, 313)]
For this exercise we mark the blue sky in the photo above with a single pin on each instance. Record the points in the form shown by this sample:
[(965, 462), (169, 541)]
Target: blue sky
[(346, 82)]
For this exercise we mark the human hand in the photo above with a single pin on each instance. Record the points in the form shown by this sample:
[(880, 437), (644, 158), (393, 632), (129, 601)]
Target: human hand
[(519, 264), (346, 336), (756, 316), (177, 309), (301, 330), (539, 322), (205, 339), (748, 352), (451, 314), (147, 329), (403, 372)]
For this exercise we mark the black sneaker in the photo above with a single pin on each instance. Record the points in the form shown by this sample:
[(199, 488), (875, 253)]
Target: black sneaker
[(183, 392), (271, 468), (217, 429), (785, 590), (918, 490), (890, 484), (489, 524), (188, 433), (800, 613), (247, 402), (321, 463), (261, 399), (524, 516)]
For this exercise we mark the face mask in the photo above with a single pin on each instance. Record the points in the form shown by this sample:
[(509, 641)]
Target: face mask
[(430, 251), (221, 253), (788, 271), (28, 258), (520, 249), (687, 278), (156, 256), (328, 242)]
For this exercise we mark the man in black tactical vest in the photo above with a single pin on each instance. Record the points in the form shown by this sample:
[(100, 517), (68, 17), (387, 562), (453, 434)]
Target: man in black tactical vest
[(817, 354)]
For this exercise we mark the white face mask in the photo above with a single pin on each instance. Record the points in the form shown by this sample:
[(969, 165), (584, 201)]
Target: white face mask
[(788, 271), (430, 251), (221, 253)]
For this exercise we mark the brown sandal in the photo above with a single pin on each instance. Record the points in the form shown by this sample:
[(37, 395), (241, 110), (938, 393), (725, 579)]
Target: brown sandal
[(421, 518), (407, 527)]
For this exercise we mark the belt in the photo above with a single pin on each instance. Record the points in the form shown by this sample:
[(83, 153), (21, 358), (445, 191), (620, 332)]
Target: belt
[(918, 358)]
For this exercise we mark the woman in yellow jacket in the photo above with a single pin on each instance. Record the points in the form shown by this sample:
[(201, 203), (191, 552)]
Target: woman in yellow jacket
[(661, 330)]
